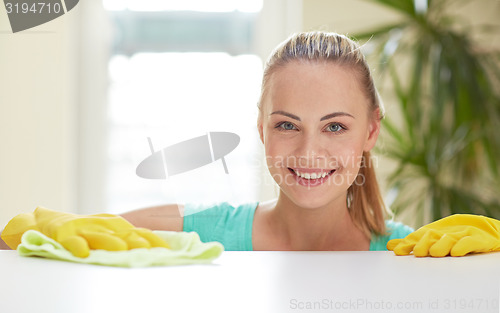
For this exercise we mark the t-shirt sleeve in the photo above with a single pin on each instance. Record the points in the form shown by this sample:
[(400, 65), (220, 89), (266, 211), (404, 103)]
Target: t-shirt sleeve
[(224, 223), (395, 230)]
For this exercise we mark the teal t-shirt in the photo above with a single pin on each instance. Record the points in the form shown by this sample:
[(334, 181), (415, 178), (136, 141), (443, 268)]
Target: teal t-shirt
[(232, 226)]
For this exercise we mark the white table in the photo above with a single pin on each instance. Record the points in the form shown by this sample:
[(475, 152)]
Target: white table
[(257, 282)]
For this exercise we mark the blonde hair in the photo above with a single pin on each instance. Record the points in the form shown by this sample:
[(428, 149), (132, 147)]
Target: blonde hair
[(364, 201)]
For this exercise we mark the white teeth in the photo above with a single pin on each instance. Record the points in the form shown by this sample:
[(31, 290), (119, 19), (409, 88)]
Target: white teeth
[(311, 175)]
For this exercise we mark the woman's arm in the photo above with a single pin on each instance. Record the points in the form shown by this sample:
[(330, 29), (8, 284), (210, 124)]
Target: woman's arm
[(164, 217), (3, 245)]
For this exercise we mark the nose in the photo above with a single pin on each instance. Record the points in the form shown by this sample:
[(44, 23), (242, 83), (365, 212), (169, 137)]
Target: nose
[(311, 151)]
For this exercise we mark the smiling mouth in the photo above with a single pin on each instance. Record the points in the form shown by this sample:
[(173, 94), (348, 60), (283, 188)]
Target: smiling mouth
[(311, 175)]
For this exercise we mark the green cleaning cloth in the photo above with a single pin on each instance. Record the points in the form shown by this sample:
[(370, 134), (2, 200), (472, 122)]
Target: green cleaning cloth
[(186, 248)]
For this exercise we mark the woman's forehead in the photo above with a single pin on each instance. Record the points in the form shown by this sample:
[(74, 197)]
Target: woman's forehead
[(303, 86)]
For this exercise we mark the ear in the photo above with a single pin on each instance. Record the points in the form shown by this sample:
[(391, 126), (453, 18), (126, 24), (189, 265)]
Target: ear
[(373, 131)]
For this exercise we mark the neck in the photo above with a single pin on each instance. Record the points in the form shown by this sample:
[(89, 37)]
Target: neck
[(322, 228)]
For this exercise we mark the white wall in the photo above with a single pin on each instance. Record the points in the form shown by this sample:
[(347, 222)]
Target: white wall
[(344, 16), (37, 117), (53, 81)]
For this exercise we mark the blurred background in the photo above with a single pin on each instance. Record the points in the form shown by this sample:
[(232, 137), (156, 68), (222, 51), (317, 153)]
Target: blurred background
[(80, 95)]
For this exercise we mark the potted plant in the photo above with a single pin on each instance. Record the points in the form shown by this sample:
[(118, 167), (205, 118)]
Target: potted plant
[(444, 136)]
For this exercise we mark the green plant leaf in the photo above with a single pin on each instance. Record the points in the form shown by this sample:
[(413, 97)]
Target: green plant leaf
[(380, 31), (449, 101), (403, 6)]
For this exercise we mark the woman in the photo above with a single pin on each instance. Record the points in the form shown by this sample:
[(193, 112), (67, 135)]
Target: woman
[(319, 117)]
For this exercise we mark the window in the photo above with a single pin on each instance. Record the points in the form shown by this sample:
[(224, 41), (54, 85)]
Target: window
[(180, 69)]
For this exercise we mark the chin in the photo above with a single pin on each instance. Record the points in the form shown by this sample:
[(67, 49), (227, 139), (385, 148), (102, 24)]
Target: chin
[(314, 199)]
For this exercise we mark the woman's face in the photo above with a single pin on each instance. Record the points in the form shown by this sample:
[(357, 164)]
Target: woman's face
[(315, 124)]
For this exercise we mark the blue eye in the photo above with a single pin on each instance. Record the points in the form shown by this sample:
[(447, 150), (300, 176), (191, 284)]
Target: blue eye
[(335, 128), (286, 126)]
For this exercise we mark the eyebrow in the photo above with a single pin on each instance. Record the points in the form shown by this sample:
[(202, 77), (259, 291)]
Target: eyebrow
[(335, 114), (290, 115), (326, 117)]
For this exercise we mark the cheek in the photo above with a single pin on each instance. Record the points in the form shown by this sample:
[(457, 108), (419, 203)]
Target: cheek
[(354, 148), (348, 161), (276, 152), (275, 143), (349, 156)]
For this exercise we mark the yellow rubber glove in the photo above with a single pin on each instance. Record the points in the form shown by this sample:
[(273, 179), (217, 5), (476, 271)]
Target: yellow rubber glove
[(81, 233), (455, 235)]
